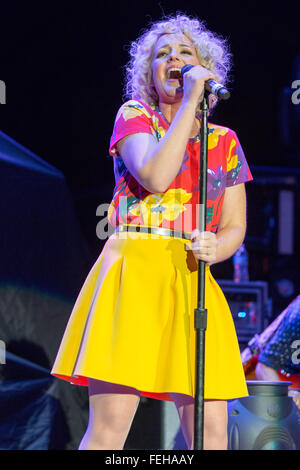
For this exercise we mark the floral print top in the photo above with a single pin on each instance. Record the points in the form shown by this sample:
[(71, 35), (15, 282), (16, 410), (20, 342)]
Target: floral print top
[(178, 207)]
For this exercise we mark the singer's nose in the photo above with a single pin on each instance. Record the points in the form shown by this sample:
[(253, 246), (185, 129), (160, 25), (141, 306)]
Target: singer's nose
[(173, 55)]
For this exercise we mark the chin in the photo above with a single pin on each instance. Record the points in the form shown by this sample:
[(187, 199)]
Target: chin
[(173, 95)]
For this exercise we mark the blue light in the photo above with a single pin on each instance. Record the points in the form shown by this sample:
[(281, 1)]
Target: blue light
[(242, 314)]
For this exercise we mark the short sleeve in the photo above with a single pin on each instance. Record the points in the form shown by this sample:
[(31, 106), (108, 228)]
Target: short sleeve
[(132, 118), (238, 170)]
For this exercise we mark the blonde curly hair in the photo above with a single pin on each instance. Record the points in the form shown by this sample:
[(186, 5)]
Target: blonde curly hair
[(212, 51)]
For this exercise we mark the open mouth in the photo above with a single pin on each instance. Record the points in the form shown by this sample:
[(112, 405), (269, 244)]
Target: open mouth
[(174, 74), (174, 77)]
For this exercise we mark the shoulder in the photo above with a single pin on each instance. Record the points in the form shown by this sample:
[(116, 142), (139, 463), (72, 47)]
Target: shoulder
[(221, 139), (134, 108), (221, 131)]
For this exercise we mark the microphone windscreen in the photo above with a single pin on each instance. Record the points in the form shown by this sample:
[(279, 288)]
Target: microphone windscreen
[(186, 68)]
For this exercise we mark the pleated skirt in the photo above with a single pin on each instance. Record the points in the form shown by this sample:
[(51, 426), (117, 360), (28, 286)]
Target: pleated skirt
[(133, 323)]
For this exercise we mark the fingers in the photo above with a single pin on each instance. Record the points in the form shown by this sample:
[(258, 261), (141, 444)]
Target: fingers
[(199, 72), (197, 235), (193, 82), (203, 245)]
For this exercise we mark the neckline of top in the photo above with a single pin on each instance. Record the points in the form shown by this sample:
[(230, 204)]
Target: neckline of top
[(192, 139)]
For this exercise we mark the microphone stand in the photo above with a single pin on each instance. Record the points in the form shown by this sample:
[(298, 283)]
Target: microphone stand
[(200, 318)]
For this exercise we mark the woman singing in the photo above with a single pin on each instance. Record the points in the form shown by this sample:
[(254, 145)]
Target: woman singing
[(131, 332)]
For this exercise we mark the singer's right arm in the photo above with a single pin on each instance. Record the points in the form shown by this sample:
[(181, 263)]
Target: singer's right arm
[(155, 164)]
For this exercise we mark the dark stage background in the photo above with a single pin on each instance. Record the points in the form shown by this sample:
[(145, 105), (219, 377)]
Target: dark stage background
[(62, 65)]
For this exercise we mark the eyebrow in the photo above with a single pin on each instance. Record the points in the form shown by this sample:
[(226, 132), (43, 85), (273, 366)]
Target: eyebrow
[(180, 45)]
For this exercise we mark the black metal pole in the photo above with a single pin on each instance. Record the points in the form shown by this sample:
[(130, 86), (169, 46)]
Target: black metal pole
[(200, 318)]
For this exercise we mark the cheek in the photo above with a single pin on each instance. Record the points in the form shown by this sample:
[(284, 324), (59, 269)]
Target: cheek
[(193, 60), (156, 76)]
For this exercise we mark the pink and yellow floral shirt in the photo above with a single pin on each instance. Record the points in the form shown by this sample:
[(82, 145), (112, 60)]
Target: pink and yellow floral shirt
[(178, 207)]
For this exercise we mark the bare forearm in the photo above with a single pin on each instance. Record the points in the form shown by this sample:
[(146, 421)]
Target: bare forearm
[(216, 247), (162, 163), (229, 239)]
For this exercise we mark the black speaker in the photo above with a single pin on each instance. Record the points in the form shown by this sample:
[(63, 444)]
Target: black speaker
[(268, 419)]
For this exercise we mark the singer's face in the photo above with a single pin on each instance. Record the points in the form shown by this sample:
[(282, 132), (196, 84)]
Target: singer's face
[(172, 51)]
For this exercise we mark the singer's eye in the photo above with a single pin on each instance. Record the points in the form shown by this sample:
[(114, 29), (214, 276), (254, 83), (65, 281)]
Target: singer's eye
[(160, 54), (186, 51)]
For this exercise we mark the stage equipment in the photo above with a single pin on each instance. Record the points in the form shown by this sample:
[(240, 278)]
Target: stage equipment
[(44, 260), (211, 86), (200, 318), (200, 313), (249, 305), (268, 419)]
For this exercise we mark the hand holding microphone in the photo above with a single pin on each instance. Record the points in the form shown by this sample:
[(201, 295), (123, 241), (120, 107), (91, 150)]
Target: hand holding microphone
[(199, 72)]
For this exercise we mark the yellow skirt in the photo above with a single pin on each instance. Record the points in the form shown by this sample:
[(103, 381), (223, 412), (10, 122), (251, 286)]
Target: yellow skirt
[(133, 323)]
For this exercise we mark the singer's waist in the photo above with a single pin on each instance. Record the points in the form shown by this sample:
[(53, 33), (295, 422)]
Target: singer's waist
[(150, 230)]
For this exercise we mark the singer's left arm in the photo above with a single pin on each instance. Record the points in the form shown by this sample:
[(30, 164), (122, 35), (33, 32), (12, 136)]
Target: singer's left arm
[(214, 248), (232, 224)]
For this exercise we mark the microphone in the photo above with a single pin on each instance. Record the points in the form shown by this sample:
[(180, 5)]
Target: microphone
[(210, 85)]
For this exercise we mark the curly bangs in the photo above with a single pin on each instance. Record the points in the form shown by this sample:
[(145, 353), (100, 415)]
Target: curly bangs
[(212, 50)]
